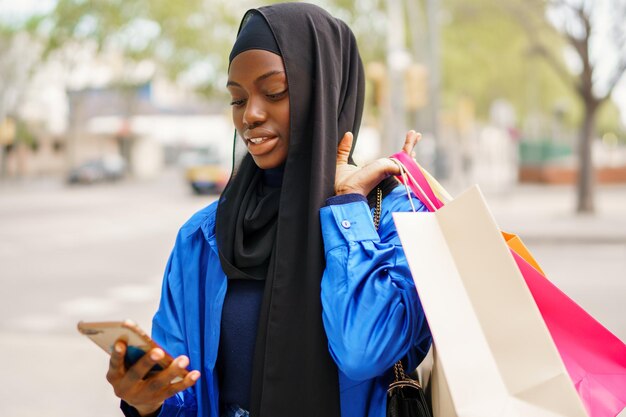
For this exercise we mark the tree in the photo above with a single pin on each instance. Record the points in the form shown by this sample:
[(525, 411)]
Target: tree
[(188, 41), (486, 56), (138, 40), (580, 24), (185, 41), (17, 60)]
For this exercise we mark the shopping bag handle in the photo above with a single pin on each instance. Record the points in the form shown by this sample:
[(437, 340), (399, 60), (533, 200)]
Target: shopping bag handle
[(412, 176), (411, 185), (404, 179)]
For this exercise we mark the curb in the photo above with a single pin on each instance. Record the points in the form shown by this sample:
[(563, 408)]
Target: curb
[(573, 240)]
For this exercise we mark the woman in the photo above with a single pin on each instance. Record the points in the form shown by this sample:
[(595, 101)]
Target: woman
[(241, 294)]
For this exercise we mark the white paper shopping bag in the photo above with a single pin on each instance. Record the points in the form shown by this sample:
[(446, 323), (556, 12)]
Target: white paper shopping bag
[(494, 354)]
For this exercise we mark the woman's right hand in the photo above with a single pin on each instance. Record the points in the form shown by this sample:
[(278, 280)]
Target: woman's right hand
[(362, 180), (147, 395)]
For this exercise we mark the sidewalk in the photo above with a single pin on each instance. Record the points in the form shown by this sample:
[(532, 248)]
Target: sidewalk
[(546, 214)]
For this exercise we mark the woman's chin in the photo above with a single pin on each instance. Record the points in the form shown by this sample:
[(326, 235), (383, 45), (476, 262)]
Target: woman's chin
[(275, 157), (267, 162)]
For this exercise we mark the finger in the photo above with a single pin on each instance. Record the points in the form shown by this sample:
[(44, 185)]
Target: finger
[(374, 172), (190, 379), (176, 370), (412, 137), (141, 368), (391, 167), (116, 362), (343, 150)]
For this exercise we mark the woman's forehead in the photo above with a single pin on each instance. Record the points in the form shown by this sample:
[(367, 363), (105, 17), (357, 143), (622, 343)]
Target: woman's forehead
[(256, 65)]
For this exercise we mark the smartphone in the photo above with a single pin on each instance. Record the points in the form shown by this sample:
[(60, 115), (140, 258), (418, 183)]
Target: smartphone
[(106, 333)]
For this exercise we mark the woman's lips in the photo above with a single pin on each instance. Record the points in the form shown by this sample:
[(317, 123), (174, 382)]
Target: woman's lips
[(261, 145), (259, 140)]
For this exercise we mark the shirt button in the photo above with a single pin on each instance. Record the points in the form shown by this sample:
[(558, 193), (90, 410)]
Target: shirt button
[(346, 224)]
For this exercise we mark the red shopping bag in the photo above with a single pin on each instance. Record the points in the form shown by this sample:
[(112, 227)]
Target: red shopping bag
[(595, 359)]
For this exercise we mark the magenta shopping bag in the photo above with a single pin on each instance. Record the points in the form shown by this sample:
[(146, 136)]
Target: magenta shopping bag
[(595, 359)]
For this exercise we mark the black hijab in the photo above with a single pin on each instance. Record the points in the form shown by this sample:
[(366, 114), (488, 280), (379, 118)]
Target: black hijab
[(248, 243), (294, 373)]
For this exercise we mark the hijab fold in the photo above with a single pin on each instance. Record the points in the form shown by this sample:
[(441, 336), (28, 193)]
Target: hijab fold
[(293, 372)]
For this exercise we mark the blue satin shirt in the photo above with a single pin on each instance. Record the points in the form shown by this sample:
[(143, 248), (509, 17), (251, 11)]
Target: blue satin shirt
[(371, 311)]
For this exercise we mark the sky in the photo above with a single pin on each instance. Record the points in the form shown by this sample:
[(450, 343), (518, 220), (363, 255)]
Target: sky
[(19, 9), (11, 10)]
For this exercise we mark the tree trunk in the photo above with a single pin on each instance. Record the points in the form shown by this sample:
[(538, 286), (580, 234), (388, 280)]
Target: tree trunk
[(586, 174)]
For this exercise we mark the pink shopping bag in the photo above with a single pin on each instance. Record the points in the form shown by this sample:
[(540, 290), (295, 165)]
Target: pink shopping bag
[(595, 359)]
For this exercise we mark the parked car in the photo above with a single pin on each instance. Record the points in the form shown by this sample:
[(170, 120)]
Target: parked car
[(107, 168), (204, 171)]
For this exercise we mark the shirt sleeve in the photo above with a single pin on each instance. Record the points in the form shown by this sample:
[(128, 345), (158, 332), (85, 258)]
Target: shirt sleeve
[(371, 311), (168, 331)]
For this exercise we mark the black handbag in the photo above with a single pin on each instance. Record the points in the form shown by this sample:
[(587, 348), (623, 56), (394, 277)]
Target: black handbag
[(405, 396)]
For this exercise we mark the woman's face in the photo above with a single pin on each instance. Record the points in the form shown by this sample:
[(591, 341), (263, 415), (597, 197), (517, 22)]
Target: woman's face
[(260, 101)]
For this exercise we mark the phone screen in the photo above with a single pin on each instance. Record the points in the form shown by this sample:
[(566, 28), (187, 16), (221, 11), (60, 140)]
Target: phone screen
[(133, 354)]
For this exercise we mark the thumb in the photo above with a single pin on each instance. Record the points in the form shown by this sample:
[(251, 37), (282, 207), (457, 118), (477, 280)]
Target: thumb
[(343, 150)]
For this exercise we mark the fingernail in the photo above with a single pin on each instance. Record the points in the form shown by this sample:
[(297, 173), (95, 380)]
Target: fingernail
[(156, 354), (118, 347), (183, 362), (194, 376)]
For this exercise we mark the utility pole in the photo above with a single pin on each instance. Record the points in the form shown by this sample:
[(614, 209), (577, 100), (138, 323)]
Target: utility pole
[(75, 101), (398, 59), (420, 118), (432, 7)]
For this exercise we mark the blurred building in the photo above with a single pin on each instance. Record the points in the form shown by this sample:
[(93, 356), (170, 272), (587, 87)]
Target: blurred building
[(146, 131), (147, 124), (97, 104)]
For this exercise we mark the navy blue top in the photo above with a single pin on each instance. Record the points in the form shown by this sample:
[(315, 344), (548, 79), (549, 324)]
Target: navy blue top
[(240, 318)]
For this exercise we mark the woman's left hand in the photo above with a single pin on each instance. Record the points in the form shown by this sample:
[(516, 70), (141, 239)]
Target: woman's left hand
[(361, 180)]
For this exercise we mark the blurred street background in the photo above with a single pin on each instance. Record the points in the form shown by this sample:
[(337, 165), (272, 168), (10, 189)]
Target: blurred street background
[(115, 128)]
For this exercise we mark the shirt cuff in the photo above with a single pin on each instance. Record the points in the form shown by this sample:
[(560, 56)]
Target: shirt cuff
[(345, 223), (345, 199), (130, 411)]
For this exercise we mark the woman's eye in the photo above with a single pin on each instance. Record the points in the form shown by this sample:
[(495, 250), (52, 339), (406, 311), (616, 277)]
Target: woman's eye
[(277, 96), (237, 103)]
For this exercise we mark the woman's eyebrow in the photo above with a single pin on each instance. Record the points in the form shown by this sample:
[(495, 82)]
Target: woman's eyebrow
[(260, 78), (267, 75)]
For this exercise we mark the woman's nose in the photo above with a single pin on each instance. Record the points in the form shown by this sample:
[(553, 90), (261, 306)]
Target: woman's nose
[(254, 113)]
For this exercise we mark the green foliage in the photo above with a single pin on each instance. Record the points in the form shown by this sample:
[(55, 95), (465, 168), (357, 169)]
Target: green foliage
[(177, 36), (486, 53), (487, 56), (24, 135), (187, 40), (608, 120)]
